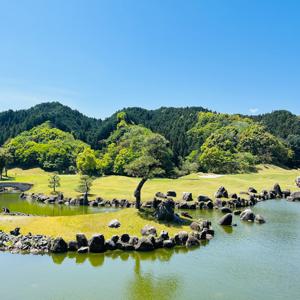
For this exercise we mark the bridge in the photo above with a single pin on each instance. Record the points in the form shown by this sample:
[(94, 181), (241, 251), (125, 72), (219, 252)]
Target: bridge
[(16, 185)]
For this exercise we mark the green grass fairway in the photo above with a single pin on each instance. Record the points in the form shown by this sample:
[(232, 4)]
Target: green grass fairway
[(119, 187), (67, 227)]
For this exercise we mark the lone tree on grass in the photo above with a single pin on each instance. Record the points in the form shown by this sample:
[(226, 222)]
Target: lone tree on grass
[(154, 161), (84, 186), (5, 160), (54, 182)]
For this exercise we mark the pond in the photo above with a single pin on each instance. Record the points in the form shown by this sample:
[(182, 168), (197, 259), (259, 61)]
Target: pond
[(251, 261), (15, 204)]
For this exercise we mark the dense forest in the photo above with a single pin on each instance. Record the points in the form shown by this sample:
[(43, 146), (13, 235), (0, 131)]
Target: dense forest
[(197, 139)]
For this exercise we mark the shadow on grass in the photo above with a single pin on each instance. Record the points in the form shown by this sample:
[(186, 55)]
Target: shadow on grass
[(8, 178), (148, 214)]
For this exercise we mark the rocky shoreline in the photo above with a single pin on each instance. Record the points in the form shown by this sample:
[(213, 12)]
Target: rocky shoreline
[(15, 242), (222, 198)]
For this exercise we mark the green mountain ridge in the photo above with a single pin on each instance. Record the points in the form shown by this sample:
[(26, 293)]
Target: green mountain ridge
[(173, 123)]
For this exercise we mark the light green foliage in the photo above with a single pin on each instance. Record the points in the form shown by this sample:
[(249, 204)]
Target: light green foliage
[(129, 145), (85, 184), (232, 144), (54, 182), (87, 162), (46, 147), (269, 149)]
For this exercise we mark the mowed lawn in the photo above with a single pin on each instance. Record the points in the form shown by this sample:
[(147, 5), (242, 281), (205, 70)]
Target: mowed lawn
[(110, 187), (67, 226)]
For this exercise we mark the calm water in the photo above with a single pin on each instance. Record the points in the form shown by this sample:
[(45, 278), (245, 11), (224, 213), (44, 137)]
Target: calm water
[(249, 262), (14, 204)]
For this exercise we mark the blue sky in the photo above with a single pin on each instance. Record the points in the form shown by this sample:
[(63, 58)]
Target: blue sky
[(100, 56)]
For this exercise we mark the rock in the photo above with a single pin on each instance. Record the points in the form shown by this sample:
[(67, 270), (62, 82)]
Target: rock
[(15, 232), (164, 235), (160, 195), (252, 190), (226, 220), (168, 244), (210, 205), (125, 238), (277, 190), (115, 238), (171, 194), (247, 215), (226, 210), (221, 193), (97, 244), (237, 212), (192, 242), (165, 211), (114, 224), (233, 196), (196, 226), (58, 245), (144, 244), (72, 246), (206, 224), (148, 229), (202, 198), (186, 215), (83, 250), (259, 219), (5, 210), (81, 240), (294, 196), (187, 196), (181, 237), (110, 245)]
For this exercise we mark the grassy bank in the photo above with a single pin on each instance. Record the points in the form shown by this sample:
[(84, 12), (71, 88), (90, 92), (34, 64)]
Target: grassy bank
[(67, 227), (110, 187)]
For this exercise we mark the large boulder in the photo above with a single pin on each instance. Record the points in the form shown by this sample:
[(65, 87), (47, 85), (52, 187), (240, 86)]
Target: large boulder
[(160, 195), (164, 235), (125, 238), (226, 219), (277, 190), (196, 226), (165, 211), (181, 237), (226, 210), (72, 246), (114, 224), (192, 241), (187, 196), (171, 193), (58, 245), (221, 193), (168, 244), (81, 240), (148, 229), (294, 196), (203, 198), (144, 244), (247, 215), (259, 219), (97, 244)]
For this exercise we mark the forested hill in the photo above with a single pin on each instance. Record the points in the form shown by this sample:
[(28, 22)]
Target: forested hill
[(14, 122), (173, 123)]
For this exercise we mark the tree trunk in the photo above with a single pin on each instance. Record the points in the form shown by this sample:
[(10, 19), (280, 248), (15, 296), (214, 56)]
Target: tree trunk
[(137, 193), (6, 172)]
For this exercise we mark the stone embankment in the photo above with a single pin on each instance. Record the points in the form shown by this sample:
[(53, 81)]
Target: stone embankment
[(17, 243), (222, 199)]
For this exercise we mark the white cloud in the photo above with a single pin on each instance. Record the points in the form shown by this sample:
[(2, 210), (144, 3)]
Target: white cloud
[(253, 110)]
